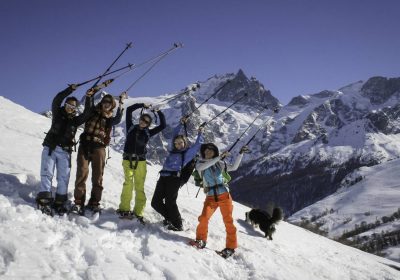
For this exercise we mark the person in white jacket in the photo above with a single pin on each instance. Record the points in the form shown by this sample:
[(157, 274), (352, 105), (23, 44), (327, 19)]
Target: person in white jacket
[(213, 170)]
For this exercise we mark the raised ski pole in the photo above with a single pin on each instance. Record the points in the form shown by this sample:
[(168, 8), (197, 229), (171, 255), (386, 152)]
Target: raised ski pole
[(129, 45), (276, 110), (241, 135), (132, 66), (205, 101), (205, 123), (190, 88), (175, 46), (109, 73), (157, 60)]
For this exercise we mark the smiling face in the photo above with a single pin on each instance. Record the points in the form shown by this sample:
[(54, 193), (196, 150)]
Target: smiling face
[(106, 104), (144, 122), (179, 143), (209, 153), (70, 107)]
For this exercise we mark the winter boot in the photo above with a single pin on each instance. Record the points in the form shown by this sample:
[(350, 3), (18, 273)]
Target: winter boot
[(59, 205), (77, 209), (226, 253), (124, 214), (174, 228), (141, 220), (199, 244), (44, 200), (94, 208)]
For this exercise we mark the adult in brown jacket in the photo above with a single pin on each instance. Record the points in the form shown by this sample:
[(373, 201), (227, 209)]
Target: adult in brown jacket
[(92, 149)]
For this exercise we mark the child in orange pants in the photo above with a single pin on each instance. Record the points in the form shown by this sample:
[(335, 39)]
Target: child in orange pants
[(211, 168)]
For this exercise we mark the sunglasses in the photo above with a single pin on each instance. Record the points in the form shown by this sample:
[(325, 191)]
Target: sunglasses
[(70, 106), (145, 121)]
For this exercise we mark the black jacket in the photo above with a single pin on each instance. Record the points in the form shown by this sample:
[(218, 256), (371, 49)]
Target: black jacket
[(136, 138), (63, 127)]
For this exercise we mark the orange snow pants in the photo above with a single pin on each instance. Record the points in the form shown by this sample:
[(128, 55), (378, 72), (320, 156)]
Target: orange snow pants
[(226, 207)]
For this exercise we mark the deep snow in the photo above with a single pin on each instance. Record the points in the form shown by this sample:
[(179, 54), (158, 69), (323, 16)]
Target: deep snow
[(35, 246)]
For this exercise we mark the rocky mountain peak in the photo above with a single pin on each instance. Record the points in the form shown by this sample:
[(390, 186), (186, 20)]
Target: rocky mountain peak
[(240, 84), (380, 89)]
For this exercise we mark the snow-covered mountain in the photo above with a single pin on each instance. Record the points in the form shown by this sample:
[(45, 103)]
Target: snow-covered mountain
[(364, 212), (319, 144), (308, 150), (35, 246), (317, 140)]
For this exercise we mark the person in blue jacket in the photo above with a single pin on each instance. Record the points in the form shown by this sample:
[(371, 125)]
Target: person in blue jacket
[(166, 192)]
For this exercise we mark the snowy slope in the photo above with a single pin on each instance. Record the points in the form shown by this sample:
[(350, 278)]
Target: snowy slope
[(371, 194), (36, 246)]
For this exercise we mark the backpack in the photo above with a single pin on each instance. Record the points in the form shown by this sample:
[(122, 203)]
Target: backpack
[(198, 178)]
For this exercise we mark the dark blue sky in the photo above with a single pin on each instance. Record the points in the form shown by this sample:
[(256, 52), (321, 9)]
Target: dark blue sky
[(292, 47)]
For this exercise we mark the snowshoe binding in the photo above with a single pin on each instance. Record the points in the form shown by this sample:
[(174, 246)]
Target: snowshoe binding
[(44, 203), (125, 215), (59, 205), (94, 209), (77, 210), (226, 253), (199, 244)]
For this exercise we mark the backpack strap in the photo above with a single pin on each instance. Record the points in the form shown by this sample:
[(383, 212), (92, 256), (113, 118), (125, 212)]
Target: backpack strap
[(214, 188)]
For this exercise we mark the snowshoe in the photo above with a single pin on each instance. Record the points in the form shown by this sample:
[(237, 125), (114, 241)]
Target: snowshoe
[(94, 208), (60, 210), (77, 210), (141, 220), (46, 209), (125, 215), (226, 253), (199, 244), (44, 202), (174, 228)]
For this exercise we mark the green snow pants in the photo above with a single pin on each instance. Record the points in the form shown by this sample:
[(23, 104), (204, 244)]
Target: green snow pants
[(134, 178)]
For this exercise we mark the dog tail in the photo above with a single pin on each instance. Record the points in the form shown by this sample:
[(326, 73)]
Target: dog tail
[(277, 214)]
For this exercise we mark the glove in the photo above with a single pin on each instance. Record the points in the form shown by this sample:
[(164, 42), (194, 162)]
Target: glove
[(122, 97), (90, 92), (224, 154), (244, 149), (73, 86)]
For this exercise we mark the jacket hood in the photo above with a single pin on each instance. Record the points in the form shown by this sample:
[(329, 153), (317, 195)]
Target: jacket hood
[(210, 146)]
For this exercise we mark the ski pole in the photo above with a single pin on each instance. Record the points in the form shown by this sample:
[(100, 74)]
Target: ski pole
[(198, 192), (205, 123), (158, 59), (108, 69), (238, 139), (276, 110), (214, 94), (175, 46), (109, 73), (132, 66), (190, 88)]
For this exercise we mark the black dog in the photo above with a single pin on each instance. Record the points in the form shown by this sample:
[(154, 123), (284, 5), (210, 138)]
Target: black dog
[(266, 222)]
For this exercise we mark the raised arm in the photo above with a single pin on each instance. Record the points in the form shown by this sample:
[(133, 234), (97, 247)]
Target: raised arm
[(129, 111), (117, 119), (58, 99), (204, 164), (161, 126), (87, 112), (194, 149), (235, 166)]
